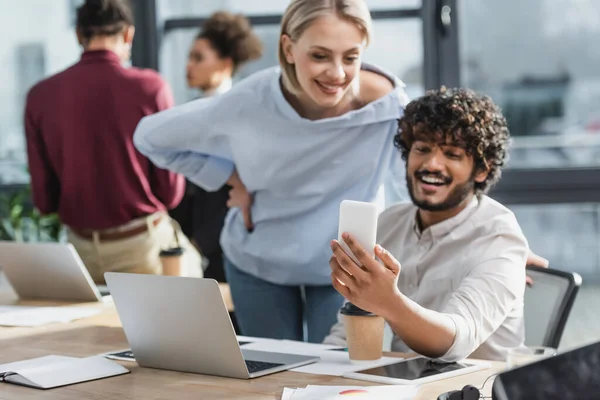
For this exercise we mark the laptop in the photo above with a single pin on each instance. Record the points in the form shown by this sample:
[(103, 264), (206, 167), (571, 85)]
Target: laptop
[(569, 375), (49, 271), (182, 324)]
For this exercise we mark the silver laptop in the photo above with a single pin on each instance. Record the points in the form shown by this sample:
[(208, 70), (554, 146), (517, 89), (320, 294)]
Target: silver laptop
[(182, 324), (50, 271)]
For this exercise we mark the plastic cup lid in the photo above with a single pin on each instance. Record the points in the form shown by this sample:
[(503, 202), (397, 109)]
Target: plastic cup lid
[(173, 251), (351, 309)]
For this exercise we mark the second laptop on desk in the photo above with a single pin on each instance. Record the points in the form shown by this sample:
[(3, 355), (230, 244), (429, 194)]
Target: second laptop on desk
[(182, 324), (47, 271)]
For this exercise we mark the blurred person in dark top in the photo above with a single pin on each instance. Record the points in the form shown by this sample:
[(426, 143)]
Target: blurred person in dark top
[(79, 127), (225, 42)]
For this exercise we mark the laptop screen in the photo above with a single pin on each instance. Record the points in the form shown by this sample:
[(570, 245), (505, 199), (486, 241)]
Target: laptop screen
[(570, 375)]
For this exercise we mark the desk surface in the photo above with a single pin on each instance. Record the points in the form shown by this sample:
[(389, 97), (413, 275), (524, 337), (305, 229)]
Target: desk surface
[(103, 333)]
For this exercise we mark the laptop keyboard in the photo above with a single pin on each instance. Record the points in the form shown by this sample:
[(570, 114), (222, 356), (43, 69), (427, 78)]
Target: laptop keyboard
[(257, 366)]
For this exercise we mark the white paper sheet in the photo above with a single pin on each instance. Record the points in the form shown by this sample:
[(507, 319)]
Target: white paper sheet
[(317, 392), (332, 362), (288, 393), (251, 339), (287, 346), (36, 316)]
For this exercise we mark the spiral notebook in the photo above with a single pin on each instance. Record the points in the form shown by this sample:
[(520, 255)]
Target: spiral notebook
[(53, 371)]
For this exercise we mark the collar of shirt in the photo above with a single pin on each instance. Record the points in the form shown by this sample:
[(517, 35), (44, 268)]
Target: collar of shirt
[(441, 229), (376, 111), (99, 56), (222, 88)]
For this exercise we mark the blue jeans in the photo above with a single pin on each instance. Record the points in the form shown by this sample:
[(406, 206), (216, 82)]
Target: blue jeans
[(264, 309)]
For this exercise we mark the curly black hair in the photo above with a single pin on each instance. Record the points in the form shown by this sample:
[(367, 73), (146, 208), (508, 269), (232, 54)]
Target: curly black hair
[(103, 17), (231, 36), (462, 118)]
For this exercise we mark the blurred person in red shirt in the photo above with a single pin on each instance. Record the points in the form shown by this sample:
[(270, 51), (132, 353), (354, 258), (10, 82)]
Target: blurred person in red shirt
[(79, 126)]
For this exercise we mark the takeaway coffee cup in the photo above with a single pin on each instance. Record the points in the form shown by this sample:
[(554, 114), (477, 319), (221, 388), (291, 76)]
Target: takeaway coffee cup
[(364, 333), (172, 260)]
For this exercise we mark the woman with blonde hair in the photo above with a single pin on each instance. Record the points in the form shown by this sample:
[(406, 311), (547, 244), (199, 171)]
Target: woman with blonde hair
[(292, 142)]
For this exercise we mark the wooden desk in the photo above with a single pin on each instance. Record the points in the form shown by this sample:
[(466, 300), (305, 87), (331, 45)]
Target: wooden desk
[(103, 333)]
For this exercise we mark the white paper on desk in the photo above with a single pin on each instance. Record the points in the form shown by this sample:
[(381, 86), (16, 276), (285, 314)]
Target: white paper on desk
[(289, 346), (331, 362), (36, 316), (387, 392), (288, 393), (251, 339)]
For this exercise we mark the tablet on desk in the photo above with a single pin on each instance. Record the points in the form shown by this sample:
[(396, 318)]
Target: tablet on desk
[(416, 371)]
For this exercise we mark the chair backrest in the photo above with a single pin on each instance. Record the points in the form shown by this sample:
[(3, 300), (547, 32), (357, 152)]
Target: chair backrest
[(548, 304)]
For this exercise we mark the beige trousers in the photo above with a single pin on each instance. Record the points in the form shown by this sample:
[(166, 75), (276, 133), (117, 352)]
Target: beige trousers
[(136, 254)]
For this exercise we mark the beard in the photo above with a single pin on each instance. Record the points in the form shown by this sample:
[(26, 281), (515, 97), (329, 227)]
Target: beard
[(453, 200)]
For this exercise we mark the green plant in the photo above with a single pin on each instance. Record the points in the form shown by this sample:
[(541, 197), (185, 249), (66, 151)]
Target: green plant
[(20, 221)]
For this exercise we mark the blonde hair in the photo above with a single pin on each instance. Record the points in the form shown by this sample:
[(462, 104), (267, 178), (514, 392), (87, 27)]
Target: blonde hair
[(300, 14)]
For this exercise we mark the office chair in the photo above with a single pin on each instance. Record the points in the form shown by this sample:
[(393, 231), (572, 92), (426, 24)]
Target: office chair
[(548, 304)]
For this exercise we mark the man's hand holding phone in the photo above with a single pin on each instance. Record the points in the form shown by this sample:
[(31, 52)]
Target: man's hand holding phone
[(369, 286), (355, 273)]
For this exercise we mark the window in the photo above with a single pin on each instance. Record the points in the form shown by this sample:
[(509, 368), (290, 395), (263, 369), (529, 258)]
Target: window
[(186, 8), (398, 48), (539, 60), (41, 42), (565, 234)]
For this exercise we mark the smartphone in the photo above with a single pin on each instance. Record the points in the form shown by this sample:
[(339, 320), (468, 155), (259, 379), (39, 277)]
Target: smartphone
[(359, 219)]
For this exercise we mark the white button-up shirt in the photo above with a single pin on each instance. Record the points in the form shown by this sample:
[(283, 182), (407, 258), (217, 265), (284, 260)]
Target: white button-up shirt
[(470, 267)]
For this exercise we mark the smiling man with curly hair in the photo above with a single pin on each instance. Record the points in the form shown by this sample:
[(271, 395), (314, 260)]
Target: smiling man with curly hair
[(459, 118), (449, 277)]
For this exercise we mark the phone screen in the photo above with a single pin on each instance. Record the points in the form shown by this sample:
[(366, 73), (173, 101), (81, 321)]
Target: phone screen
[(414, 368)]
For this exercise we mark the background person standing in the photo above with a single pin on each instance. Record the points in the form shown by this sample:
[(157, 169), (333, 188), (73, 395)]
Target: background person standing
[(225, 43), (79, 126)]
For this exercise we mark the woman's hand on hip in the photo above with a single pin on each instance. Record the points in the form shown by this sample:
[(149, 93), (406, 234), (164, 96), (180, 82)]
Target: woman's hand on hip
[(240, 197)]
